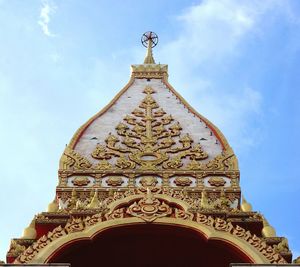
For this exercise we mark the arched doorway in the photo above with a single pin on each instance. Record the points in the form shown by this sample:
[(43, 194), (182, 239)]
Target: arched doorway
[(149, 245)]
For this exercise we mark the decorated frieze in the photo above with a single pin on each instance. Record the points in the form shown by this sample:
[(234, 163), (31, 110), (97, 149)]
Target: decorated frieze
[(149, 207), (80, 181), (217, 181), (114, 181), (183, 181)]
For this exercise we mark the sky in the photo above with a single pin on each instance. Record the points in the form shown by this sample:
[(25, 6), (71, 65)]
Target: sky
[(237, 62)]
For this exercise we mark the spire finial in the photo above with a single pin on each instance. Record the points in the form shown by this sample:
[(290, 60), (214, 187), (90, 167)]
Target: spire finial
[(149, 40)]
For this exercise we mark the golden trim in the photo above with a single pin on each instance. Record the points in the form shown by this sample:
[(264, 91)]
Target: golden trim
[(149, 208), (80, 131), (208, 232)]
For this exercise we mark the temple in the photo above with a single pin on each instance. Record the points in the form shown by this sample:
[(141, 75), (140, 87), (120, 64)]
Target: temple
[(148, 181)]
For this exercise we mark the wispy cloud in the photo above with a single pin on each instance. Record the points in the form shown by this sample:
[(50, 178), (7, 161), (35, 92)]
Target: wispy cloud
[(215, 33), (44, 20)]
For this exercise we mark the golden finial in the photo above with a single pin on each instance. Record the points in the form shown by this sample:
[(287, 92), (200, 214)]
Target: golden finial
[(53, 206), (29, 232), (149, 40), (95, 203), (245, 206), (268, 230)]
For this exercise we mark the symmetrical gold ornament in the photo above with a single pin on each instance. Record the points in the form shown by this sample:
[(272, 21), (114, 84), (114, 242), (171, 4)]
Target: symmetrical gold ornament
[(80, 181), (148, 139), (114, 181), (145, 156), (216, 181), (182, 181), (149, 208), (148, 181)]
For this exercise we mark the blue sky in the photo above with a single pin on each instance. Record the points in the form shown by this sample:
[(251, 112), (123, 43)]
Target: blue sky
[(236, 62)]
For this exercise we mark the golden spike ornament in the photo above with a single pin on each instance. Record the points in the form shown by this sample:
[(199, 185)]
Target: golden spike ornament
[(30, 232), (53, 206), (245, 206), (268, 230)]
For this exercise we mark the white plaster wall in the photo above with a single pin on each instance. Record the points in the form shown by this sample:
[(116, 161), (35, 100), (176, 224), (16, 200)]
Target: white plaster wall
[(130, 100)]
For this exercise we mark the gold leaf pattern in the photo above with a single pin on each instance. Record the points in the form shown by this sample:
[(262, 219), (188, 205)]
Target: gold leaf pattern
[(148, 139)]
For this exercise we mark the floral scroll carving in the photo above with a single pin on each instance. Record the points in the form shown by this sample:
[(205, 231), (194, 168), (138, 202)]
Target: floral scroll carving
[(148, 207), (148, 139)]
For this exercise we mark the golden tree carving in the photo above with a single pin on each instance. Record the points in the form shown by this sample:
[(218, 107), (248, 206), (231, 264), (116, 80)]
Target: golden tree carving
[(148, 138)]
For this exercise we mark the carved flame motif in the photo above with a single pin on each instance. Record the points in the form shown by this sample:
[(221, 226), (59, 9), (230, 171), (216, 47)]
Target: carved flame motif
[(147, 139)]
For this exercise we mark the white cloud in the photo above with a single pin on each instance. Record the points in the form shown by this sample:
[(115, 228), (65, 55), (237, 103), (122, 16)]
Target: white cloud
[(214, 28), (47, 9), (214, 33)]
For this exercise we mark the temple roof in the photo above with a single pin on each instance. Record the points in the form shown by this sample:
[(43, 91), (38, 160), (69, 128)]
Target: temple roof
[(148, 156)]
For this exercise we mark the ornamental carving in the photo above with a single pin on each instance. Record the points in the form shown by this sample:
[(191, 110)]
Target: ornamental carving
[(114, 181), (216, 181), (148, 181), (148, 139), (80, 181), (15, 249), (149, 208), (71, 159), (182, 181), (223, 162)]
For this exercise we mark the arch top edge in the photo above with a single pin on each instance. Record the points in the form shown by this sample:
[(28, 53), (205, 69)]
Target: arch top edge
[(207, 232)]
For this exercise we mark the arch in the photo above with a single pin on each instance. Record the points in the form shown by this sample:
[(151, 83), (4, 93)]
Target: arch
[(147, 243), (208, 233), (156, 209)]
